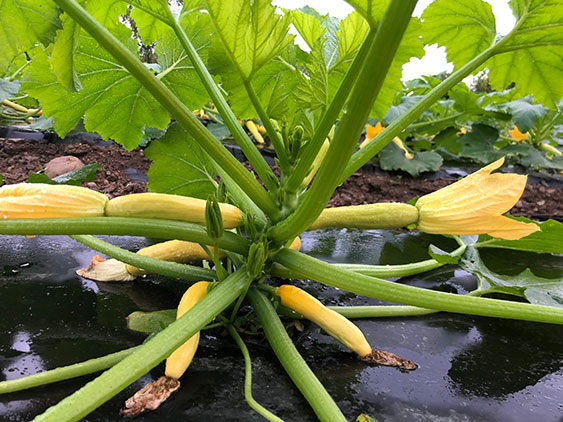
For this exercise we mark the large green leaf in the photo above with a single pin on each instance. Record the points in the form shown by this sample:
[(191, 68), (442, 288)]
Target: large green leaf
[(371, 10), (479, 143), (252, 33), (8, 89), (178, 73), (64, 49), (539, 290), (179, 166), (533, 56), (548, 240), (111, 102), (464, 27), (24, 23), (411, 46), (393, 158), (524, 113)]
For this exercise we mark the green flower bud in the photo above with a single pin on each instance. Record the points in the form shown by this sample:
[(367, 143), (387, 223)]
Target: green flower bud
[(213, 218)]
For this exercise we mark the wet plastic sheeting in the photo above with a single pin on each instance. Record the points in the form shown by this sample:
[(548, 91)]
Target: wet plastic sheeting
[(471, 368)]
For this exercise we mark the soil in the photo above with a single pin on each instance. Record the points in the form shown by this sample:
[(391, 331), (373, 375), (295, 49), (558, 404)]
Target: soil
[(20, 157)]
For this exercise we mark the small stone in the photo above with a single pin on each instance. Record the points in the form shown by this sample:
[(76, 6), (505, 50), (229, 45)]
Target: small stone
[(62, 165)]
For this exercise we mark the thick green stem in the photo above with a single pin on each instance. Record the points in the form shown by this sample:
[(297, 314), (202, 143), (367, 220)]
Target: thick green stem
[(322, 130), (172, 104), (380, 311), (149, 355), (65, 372), (250, 151), (248, 378), (314, 269), (123, 226), (296, 367), (380, 55), (272, 134), (152, 265), (384, 271), (395, 128)]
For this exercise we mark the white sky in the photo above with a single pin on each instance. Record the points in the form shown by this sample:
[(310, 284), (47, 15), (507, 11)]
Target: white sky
[(435, 59)]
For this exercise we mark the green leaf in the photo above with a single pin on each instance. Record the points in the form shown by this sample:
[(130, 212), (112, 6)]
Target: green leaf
[(42, 124), (149, 322), (8, 89), (442, 256), (86, 173), (410, 47), (479, 143), (532, 57), (393, 158), (371, 10), (365, 418), (537, 159), (448, 139), (394, 112), (24, 24), (112, 102), (548, 240), (252, 33), (538, 290), (219, 130), (1, 180), (178, 72), (524, 113), (179, 166), (464, 27), (64, 49)]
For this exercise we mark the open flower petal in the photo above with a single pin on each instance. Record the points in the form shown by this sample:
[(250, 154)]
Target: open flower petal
[(474, 205)]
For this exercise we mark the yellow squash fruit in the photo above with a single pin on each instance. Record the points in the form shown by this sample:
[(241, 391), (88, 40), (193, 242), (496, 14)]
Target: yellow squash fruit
[(338, 327), (180, 359), (37, 200), (172, 207), (369, 216), (332, 322)]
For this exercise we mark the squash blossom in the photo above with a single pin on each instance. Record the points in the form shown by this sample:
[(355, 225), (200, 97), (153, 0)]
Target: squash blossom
[(153, 394), (38, 200), (474, 205), (517, 135), (337, 326), (373, 131)]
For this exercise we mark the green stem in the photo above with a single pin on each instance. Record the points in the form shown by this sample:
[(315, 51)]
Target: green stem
[(307, 267), (398, 125), (229, 118), (278, 144), (123, 226), (148, 355), (173, 105), (152, 265), (322, 130), (445, 120), (65, 372), (293, 363), (383, 311), (248, 378), (380, 55), (385, 271)]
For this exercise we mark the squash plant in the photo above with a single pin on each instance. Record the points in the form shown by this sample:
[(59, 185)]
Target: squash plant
[(239, 55)]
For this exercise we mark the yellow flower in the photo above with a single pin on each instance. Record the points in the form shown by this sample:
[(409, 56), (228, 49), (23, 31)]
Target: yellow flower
[(474, 205), (372, 132), (37, 200), (517, 135)]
